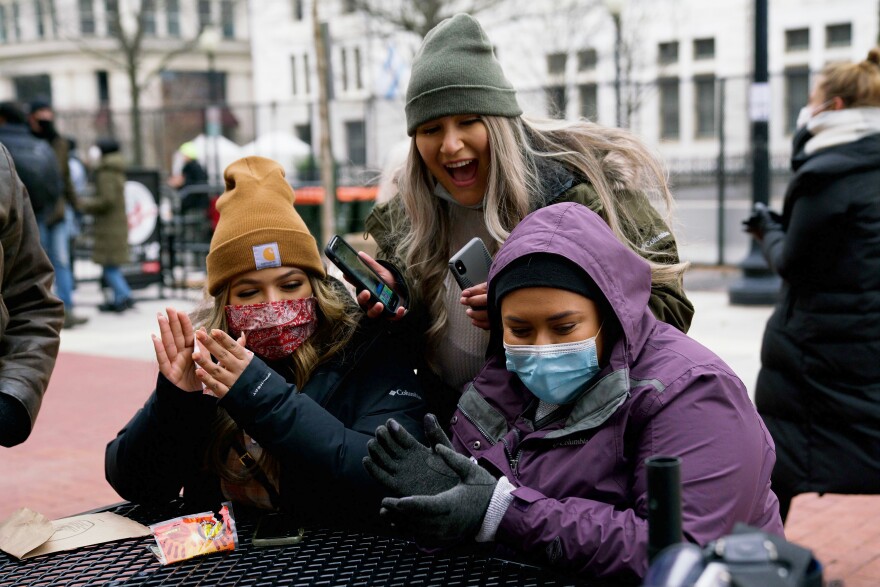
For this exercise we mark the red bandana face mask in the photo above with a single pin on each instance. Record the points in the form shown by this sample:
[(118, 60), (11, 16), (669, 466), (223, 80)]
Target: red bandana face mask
[(274, 329)]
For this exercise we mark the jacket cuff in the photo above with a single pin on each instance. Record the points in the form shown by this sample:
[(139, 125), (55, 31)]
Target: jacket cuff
[(256, 382), (502, 497)]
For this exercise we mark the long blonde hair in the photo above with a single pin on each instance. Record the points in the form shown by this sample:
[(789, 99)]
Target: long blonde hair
[(612, 160), (337, 322)]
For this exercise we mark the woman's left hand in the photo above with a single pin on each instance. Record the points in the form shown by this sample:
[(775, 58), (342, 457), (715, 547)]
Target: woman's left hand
[(232, 356), (476, 298)]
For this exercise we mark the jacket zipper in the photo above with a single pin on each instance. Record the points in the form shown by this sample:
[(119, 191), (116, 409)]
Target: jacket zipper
[(513, 459), (479, 428)]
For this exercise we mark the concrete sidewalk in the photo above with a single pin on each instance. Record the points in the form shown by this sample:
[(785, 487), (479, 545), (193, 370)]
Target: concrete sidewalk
[(106, 370)]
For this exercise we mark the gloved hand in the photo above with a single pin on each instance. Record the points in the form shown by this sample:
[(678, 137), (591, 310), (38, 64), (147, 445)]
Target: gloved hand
[(448, 517), (762, 221), (404, 465)]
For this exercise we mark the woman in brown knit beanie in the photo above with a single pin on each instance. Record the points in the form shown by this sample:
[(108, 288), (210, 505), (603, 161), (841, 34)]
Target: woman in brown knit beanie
[(272, 399), (476, 167)]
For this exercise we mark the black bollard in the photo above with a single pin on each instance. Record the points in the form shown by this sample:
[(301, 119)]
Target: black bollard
[(664, 503)]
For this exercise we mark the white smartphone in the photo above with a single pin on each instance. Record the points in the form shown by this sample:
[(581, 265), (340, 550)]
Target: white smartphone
[(470, 265)]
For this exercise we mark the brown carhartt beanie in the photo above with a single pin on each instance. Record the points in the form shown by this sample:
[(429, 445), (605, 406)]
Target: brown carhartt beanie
[(258, 226)]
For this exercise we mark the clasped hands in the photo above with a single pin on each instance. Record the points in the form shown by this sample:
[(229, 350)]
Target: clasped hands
[(188, 368), (762, 220), (442, 495)]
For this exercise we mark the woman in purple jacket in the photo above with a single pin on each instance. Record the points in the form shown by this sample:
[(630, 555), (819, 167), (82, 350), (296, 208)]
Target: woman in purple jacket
[(582, 384)]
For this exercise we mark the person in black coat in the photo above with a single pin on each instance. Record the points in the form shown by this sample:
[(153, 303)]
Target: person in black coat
[(272, 401), (819, 385)]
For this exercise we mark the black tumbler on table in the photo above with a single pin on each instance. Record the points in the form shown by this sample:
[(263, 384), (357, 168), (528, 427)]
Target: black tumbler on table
[(664, 503)]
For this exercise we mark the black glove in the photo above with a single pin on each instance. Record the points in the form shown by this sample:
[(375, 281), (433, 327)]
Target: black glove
[(405, 466), (447, 517), (762, 221)]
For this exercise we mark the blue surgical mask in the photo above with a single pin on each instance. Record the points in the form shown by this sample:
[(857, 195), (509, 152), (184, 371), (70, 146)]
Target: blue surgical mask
[(554, 373)]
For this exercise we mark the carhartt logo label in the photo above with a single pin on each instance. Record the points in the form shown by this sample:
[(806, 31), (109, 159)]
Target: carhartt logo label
[(267, 255)]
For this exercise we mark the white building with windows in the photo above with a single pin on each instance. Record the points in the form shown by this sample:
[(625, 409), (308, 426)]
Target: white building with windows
[(68, 52), (679, 68)]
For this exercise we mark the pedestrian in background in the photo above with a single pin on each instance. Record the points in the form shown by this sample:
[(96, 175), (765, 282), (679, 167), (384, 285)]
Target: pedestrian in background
[(297, 403), (110, 249), (54, 230), (191, 174), (476, 167), (30, 316), (818, 389)]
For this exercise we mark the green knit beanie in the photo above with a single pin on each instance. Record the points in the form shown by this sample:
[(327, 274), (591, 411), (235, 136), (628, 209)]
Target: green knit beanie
[(455, 72)]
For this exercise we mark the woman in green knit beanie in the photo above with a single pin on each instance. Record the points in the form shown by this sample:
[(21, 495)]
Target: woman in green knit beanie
[(476, 167)]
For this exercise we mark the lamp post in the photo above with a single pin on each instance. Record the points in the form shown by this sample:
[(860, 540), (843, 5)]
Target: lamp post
[(209, 39), (615, 9), (758, 284)]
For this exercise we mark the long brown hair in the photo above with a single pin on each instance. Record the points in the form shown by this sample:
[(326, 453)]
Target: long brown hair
[(337, 322)]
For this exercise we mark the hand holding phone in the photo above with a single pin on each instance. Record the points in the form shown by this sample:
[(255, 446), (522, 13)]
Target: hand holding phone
[(362, 276), (470, 265)]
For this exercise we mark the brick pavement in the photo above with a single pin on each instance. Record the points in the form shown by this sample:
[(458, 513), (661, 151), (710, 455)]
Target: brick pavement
[(98, 384)]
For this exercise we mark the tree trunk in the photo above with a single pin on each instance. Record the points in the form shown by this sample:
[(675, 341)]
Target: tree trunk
[(136, 136), (328, 172)]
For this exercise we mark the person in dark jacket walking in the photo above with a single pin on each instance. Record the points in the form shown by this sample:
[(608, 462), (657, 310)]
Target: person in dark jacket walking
[(582, 384), (30, 316), (301, 381), (110, 249), (476, 167), (818, 389)]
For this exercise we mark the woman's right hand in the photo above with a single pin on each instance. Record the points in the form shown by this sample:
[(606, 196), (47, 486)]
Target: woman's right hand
[(376, 309), (175, 348)]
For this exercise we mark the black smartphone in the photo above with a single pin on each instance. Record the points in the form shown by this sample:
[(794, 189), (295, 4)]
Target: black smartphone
[(277, 529), (346, 258), (470, 265)]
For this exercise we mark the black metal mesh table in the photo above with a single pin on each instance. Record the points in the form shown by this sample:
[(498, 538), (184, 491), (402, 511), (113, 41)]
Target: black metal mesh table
[(324, 557)]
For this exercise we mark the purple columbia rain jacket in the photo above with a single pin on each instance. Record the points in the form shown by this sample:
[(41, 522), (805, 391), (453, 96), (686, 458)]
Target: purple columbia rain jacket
[(581, 498)]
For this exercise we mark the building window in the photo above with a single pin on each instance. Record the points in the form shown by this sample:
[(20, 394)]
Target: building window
[(3, 38), (204, 10), (39, 16), (148, 17), (173, 17), (349, 6), (86, 17), (797, 94), (227, 19), (669, 119), (303, 132), (33, 87), (293, 87), (556, 103), (344, 58), (358, 65), (797, 39), (308, 75), (556, 63), (838, 35), (587, 59), (111, 11), (355, 137), (16, 20), (704, 49), (589, 101), (704, 99), (297, 9), (103, 88), (667, 53)]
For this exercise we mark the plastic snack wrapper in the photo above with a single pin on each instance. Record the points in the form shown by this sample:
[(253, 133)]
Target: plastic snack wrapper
[(195, 535)]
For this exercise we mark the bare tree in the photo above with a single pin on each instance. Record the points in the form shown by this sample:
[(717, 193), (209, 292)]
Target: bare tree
[(127, 27), (419, 16), (328, 169)]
